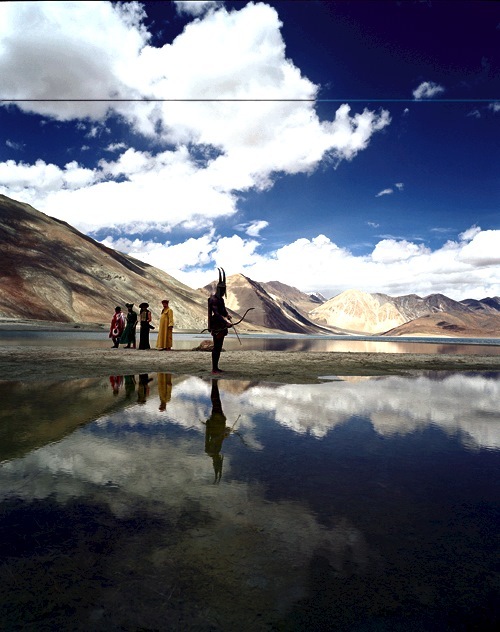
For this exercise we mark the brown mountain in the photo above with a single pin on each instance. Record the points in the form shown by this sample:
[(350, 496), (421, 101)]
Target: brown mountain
[(488, 305), (50, 271), (276, 305), (451, 324)]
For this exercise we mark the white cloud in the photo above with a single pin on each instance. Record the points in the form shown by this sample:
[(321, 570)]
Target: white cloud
[(475, 114), (470, 233), (116, 146), (99, 49), (13, 145), (467, 268), (196, 8), (69, 50), (483, 249), (391, 251), (427, 90), (389, 191), (254, 228)]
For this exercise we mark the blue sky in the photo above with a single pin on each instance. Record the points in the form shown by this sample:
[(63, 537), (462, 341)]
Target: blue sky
[(327, 145)]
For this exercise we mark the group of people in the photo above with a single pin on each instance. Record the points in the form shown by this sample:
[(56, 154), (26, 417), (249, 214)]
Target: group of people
[(123, 328), (164, 387)]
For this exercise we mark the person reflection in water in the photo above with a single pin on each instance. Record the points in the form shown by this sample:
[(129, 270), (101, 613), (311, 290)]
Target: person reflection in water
[(143, 388), (116, 382), (216, 431), (164, 389), (129, 386)]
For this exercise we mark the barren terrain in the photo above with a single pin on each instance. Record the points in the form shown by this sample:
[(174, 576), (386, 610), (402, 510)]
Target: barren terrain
[(59, 362)]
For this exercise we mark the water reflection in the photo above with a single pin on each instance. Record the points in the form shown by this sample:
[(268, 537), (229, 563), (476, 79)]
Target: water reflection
[(164, 389), (216, 431), (260, 342), (143, 389), (352, 504)]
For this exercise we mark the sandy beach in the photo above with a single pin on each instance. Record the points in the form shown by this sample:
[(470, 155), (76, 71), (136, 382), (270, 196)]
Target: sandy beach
[(60, 362)]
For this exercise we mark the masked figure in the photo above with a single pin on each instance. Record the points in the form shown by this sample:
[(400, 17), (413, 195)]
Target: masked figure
[(218, 319)]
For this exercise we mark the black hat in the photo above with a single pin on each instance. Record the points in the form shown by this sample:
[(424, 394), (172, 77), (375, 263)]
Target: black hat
[(143, 305), (129, 305)]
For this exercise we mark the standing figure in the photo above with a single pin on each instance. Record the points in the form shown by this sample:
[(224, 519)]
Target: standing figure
[(218, 319), (144, 320), (166, 327), (117, 326), (128, 336)]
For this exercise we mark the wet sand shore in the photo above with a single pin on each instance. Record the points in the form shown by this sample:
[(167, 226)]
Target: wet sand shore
[(60, 362)]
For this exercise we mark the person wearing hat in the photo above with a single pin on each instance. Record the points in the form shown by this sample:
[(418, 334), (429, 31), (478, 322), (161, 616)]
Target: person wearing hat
[(164, 341), (117, 326), (145, 326), (128, 335)]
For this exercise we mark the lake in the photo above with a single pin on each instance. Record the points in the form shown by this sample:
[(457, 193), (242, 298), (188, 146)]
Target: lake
[(278, 342), (168, 502)]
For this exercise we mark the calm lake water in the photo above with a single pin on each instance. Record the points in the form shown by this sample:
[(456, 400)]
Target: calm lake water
[(160, 502), (261, 342)]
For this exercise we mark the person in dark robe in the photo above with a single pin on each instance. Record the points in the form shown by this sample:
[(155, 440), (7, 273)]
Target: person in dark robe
[(128, 336), (145, 326), (218, 320)]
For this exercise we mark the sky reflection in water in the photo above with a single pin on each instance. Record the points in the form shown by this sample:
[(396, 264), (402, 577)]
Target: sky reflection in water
[(261, 342), (169, 502)]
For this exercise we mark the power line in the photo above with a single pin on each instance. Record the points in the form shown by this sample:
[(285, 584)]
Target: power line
[(228, 100)]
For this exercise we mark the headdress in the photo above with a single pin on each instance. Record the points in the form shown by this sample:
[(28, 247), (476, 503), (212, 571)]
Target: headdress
[(129, 305), (221, 285), (143, 305)]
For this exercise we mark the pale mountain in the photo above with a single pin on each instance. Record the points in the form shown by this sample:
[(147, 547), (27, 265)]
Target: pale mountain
[(459, 325), (359, 312), (50, 271), (274, 309), (377, 313)]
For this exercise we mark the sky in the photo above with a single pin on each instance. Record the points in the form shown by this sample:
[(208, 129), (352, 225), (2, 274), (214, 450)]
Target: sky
[(327, 145)]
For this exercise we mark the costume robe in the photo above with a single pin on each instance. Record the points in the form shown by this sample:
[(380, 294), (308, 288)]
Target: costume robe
[(164, 340)]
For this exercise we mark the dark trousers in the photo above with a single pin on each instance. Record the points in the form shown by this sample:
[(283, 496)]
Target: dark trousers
[(218, 342)]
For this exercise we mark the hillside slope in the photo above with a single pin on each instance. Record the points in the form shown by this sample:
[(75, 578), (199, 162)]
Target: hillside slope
[(51, 271)]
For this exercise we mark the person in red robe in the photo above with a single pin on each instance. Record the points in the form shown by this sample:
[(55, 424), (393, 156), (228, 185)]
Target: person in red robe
[(117, 326)]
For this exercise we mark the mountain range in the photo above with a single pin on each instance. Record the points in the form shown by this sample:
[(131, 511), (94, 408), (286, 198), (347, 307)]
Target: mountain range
[(49, 271)]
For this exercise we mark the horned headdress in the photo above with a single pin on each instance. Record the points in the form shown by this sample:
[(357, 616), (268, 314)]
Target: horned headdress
[(221, 285)]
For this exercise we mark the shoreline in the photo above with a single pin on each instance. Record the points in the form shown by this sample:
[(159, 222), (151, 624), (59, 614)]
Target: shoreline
[(294, 367)]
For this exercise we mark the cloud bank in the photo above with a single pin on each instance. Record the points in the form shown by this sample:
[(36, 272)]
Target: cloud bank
[(467, 267)]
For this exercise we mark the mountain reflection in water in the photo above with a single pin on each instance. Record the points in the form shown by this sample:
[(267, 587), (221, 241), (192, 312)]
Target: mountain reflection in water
[(278, 342), (167, 502)]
